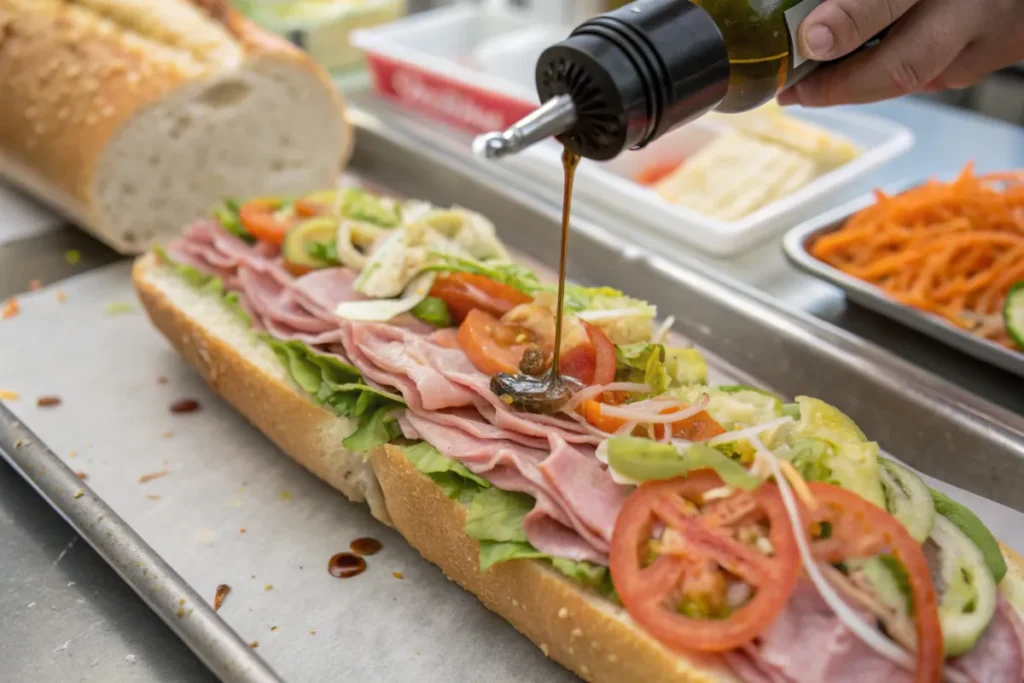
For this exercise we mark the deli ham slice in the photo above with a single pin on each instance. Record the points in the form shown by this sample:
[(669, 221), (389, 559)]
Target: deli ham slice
[(808, 644), (577, 502)]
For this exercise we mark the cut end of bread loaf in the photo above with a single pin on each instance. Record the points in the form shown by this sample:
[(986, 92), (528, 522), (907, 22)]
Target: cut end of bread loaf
[(247, 374), (577, 628), (267, 128)]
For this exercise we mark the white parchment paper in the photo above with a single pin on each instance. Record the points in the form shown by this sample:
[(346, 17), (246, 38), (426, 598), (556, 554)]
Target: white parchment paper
[(114, 425)]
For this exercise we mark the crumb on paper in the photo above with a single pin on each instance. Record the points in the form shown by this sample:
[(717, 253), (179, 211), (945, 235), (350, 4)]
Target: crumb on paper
[(205, 535), (253, 576), (35, 285), (254, 644), (181, 601), (273, 628), (10, 309), (162, 380), (81, 475), (218, 597), (8, 395), (312, 631), (398, 575), (79, 493), (234, 503), (61, 296), (118, 308), (131, 659), (72, 453), (153, 496), (285, 495), (167, 435), (49, 401), (180, 612), (268, 587), (242, 530), (72, 256), (146, 478)]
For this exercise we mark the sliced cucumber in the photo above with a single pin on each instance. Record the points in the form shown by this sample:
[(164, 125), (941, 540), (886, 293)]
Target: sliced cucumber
[(299, 241), (967, 593), (966, 521), (1013, 314), (907, 498)]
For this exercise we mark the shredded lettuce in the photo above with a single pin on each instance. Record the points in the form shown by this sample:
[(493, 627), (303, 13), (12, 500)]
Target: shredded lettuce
[(507, 273), (659, 367), (227, 214), (360, 205), (432, 462), (624, 319), (375, 429), (433, 311)]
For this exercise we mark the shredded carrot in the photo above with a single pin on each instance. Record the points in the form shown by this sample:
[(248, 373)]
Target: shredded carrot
[(952, 249)]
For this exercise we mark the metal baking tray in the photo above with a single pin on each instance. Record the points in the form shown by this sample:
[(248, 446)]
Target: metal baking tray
[(796, 245), (922, 419)]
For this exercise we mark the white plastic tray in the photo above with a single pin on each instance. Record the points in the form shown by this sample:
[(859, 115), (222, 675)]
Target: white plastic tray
[(611, 187)]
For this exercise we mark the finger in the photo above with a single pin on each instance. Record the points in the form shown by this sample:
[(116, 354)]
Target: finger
[(980, 59), (838, 27), (918, 49)]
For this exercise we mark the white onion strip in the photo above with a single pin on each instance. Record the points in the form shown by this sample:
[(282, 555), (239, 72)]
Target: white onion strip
[(627, 412), (598, 389), (749, 433), (662, 333)]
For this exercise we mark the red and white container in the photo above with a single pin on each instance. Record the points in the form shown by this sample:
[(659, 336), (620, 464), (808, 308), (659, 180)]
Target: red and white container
[(471, 67)]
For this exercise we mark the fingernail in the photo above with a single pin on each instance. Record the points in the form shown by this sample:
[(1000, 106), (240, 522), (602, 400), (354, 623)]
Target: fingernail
[(820, 41)]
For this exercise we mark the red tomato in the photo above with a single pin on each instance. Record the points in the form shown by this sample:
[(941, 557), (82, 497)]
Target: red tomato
[(308, 209), (464, 292), (491, 345), (699, 427), (860, 529), (604, 355), (699, 548), (260, 219)]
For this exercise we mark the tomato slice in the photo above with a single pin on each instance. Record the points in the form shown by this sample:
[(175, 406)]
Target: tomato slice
[(604, 355), (858, 528), (699, 547), (491, 345), (464, 292), (309, 209), (699, 427), (259, 216)]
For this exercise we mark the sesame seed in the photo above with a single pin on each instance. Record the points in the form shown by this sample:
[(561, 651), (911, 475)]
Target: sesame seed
[(585, 670), (563, 613), (612, 658), (515, 603), (572, 651), (576, 633)]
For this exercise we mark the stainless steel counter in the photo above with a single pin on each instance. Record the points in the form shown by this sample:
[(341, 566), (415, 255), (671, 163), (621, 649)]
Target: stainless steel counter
[(64, 615)]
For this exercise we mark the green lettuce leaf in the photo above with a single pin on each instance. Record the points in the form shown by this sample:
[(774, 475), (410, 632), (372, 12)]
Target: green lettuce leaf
[(660, 367), (227, 214), (361, 205), (496, 515), (209, 284), (511, 274), (433, 311), (430, 461), (375, 429)]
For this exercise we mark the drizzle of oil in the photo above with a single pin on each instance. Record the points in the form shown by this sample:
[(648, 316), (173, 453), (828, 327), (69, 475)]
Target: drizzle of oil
[(548, 393), (366, 546), (346, 565)]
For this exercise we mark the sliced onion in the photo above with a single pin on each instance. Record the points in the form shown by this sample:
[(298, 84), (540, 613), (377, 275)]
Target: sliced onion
[(662, 333), (626, 429), (748, 433), (589, 427), (598, 389), (382, 310), (652, 417), (348, 255), (614, 314)]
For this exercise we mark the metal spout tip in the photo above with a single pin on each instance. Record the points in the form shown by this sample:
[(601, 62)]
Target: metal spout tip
[(490, 146)]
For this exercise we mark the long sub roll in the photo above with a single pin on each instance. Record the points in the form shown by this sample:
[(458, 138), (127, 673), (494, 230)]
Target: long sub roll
[(656, 528)]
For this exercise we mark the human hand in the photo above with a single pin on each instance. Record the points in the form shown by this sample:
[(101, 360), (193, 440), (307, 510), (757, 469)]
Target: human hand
[(932, 45)]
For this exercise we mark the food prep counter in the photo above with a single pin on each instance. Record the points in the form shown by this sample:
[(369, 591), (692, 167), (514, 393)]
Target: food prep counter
[(65, 615)]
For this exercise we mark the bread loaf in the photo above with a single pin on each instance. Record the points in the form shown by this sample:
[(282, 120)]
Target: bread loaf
[(133, 116)]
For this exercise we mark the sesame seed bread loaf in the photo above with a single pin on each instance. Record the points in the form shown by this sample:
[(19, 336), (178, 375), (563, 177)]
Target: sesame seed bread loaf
[(134, 116)]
